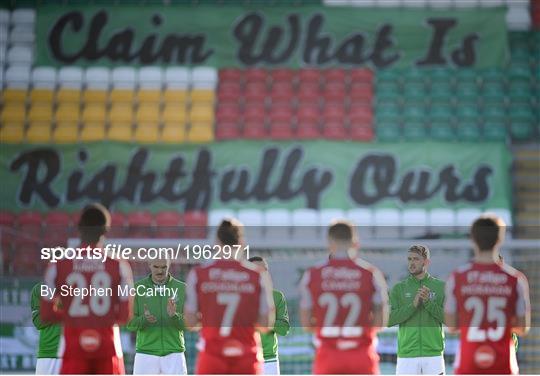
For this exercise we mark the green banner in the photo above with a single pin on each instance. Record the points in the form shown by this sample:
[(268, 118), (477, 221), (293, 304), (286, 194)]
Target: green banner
[(230, 36), (237, 174)]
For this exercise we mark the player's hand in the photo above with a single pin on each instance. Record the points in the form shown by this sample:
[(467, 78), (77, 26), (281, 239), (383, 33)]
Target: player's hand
[(417, 299), (424, 293), (148, 316), (171, 307)]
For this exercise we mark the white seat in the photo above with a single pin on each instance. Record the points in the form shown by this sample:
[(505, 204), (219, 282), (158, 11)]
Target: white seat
[(441, 221), (177, 78), (363, 3), (415, 3), (414, 223), (465, 218), (440, 4), (20, 55), (4, 33), (466, 3), (389, 3), (216, 216), (518, 18), (253, 220), (97, 78), (363, 219), (22, 35), (277, 223), (70, 77), (327, 216), (204, 77), (44, 78), (123, 78), (3, 57), (491, 3), (336, 2), (18, 77), (23, 16), (387, 222), (5, 16), (150, 78), (305, 224)]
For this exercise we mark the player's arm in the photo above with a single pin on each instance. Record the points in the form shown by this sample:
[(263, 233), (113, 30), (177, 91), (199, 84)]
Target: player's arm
[(267, 311), (191, 306), (34, 306), (125, 303), (282, 325), (137, 322), (380, 301), (306, 314), (177, 319), (435, 307), (399, 313), (49, 311), (522, 322), (450, 306)]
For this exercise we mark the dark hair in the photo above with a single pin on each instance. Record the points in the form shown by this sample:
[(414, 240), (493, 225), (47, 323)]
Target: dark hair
[(487, 231), (94, 223), (230, 232), (256, 259), (342, 231), (422, 250)]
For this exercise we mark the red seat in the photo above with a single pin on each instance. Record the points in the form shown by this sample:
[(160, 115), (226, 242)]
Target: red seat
[(229, 92), (140, 224), (309, 75), (228, 113), (168, 224), (361, 75), (228, 130), (254, 113), (334, 114), (255, 92), (362, 93), (118, 225), (283, 114), (58, 228), (335, 75), (254, 130), (230, 74), (308, 113), (282, 75), (7, 227), (29, 229), (308, 131), (364, 133), (255, 75), (334, 130), (281, 131), (195, 224)]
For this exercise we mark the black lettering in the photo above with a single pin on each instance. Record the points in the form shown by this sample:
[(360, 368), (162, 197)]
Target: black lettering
[(450, 181), (171, 191), (316, 50), (350, 51), (200, 191), (73, 19), (314, 183), (383, 42), (119, 46), (478, 191), (42, 167), (414, 187), (260, 189), (465, 56), (441, 26), (376, 171), (234, 186), (186, 49)]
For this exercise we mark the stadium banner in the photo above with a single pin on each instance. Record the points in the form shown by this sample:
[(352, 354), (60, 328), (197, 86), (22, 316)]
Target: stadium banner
[(271, 36), (256, 174)]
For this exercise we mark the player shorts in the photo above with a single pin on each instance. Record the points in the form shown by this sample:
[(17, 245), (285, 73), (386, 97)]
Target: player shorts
[(97, 366), (355, 361), (426, 365), (48, 366), (171, 364), (271, 367), (208, 364)]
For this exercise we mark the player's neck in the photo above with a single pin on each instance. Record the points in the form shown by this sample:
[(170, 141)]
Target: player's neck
[(341, 254), (420, 276), (486, 257), (164, 282)]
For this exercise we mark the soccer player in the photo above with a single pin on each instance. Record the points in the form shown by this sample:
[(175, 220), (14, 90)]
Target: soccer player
[(48, 362), (91, 336), (416, 305), (344, 302), (158, 321), (232, 299), (281, 327), (487, 301)]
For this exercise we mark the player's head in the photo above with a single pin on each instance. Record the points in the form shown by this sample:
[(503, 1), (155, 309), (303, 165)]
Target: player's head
[(418, 259), (258, 260), (342, 237), (94, 223), (487, 233), (159, 269), (230, 232)]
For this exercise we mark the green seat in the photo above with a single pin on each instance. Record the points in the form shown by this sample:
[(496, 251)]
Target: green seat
[(387, 97), (520, 92), (414, 130), (521, 130), (517, 71), (391, 109), (520, 55), (469, 76), (441, 92), (493, 93), (468, 112), (467, 92), (441, 113), (516, 37), (468, 131), (492, 75), (494, 131), (414, 76), (522, 113), (414, 113), (388, 132), (494, 113), (442, 131), (387, 118), (441, 76), (391, 86), (388, 75)]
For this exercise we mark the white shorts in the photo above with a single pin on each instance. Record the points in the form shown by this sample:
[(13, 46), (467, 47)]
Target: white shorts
[(48, 366), (271, 368), (427, 365), (172, 364)]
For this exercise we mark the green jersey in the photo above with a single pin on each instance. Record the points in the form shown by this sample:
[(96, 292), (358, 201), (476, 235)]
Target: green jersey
[(49, 334), (166, 335), (281, 327), (420, 329)]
